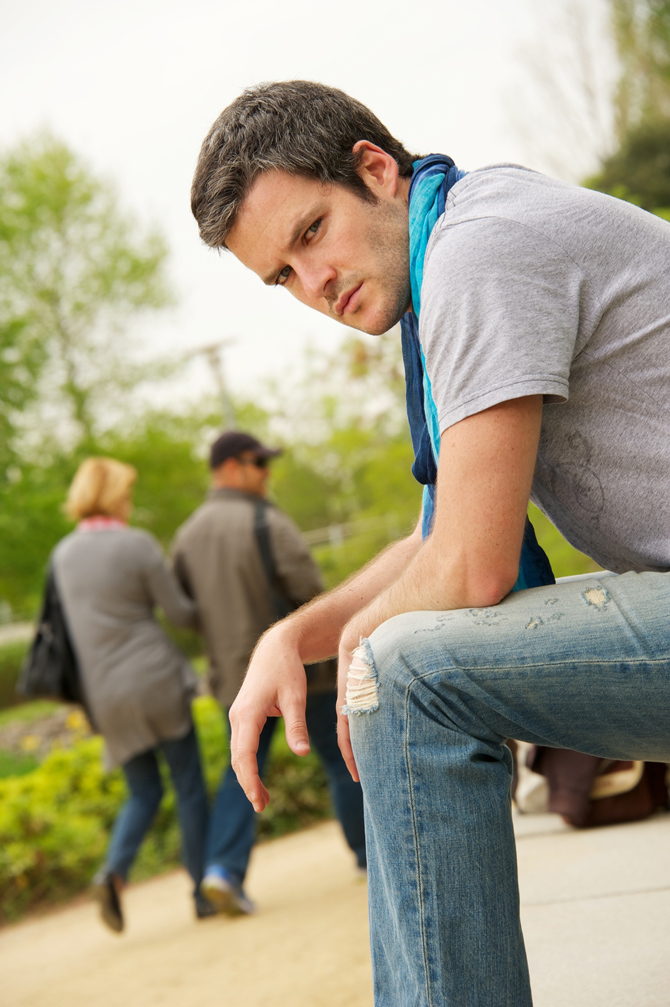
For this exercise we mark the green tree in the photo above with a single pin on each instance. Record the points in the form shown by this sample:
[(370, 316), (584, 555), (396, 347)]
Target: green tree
[(639, 171), (168, 450), (74, 270), (21, 359), (642, 34)]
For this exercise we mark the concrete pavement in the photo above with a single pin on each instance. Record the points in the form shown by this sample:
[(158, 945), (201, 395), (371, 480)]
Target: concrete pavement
[(596, 914)]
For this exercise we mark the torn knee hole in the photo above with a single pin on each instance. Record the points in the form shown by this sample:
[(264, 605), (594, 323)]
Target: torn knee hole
[(362, 685)]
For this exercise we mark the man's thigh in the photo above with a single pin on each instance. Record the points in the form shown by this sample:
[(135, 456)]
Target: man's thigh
[(582, 665)]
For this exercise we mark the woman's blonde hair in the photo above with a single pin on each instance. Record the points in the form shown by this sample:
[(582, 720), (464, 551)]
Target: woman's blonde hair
[(101, 486)]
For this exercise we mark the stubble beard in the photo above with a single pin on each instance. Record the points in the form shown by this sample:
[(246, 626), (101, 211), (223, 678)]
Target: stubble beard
[(388, 239)]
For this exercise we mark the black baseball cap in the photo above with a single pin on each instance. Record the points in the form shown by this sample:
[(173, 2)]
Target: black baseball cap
[(232, 443)]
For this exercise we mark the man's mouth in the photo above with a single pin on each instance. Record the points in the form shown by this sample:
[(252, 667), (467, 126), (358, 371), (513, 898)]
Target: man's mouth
[(349, 300)]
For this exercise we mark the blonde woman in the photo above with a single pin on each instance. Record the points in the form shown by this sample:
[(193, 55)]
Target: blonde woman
[(111, 578)]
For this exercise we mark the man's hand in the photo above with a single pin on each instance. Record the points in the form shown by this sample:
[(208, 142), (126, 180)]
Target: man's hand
[(348, 643), (275, 686), (275, 683)]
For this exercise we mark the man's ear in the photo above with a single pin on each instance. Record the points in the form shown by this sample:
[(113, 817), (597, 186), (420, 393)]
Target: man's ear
[(378, 169)]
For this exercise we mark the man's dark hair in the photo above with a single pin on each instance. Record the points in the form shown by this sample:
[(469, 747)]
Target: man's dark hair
[(296, 126)]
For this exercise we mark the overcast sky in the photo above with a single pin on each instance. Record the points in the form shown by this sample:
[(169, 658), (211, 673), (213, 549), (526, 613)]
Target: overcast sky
[(134, 85)]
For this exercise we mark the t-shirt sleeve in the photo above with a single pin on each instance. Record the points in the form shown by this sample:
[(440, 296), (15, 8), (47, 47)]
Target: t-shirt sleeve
[(499, 316)]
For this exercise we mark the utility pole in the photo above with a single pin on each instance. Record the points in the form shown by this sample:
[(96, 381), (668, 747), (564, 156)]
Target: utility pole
[(214, 354)]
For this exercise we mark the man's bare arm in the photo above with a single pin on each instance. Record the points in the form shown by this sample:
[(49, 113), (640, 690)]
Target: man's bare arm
[(316, 627), (471, 559), (275, 682)]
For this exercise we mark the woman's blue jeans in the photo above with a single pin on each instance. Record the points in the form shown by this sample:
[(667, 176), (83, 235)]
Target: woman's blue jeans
[(583, 665), (146, 791)]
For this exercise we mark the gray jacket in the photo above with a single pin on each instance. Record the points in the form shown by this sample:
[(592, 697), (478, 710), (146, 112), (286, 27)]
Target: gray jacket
[(217, 560), (138, 683)]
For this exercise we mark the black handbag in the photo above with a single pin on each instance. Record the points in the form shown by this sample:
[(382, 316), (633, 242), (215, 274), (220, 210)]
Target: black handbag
[(50, 670)]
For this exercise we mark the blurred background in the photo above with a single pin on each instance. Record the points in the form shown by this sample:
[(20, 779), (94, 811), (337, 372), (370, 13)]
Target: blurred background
[(120, 334)]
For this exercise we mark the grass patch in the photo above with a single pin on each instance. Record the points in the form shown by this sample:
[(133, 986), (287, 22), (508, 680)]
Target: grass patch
[(16, 763), (26, 713)]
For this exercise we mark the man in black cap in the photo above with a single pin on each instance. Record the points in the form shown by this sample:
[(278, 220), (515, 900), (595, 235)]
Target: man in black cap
[(246, 564)]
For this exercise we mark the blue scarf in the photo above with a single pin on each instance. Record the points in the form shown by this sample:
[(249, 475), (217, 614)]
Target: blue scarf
[(432, 179)]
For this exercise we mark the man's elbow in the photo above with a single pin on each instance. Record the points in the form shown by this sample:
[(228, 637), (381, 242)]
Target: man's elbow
[(485, 588)]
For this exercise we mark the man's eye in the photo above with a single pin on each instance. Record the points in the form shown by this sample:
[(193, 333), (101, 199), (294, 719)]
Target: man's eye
[(313, 228), (283, 276)]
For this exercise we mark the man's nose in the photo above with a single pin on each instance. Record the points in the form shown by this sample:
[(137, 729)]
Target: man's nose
[(317, 280)]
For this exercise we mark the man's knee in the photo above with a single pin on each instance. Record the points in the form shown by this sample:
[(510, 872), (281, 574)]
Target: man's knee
[(389, 659)]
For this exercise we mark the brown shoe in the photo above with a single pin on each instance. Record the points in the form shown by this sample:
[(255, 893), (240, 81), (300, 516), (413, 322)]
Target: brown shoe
[(105, 890)]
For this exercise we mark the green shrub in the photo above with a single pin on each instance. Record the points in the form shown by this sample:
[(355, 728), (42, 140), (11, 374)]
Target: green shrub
[(55, 821), (11, 659)]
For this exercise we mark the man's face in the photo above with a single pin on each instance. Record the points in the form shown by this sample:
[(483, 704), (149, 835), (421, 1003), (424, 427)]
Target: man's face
[(252, 473), (332, 250)]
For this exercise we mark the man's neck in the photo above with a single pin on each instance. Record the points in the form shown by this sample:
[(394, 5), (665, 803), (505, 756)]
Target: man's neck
[(220, 484)]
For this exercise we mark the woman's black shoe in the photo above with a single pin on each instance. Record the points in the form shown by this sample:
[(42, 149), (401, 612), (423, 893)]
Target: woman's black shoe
[(204, 908), (105, 893)]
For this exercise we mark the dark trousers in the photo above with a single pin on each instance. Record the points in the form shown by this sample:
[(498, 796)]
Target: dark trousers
[(146, 790), (232, 829)]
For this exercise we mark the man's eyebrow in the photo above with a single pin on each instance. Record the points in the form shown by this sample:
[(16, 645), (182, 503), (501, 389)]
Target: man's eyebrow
[(301, 224)]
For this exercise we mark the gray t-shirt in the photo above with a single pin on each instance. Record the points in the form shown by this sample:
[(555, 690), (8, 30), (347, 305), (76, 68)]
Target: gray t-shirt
[(532, 286)]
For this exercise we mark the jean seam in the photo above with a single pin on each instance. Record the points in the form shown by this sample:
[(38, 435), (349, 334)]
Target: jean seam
[(422, 921), (498, 668)]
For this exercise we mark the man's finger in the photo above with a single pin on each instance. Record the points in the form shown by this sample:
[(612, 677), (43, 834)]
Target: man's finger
[(246, 770), (295, 726), (245, 734), (344, 741)]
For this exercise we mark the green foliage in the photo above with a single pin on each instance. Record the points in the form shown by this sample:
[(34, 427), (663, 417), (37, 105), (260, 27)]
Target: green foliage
[(642, 34), (31, 523), (55, 821), (307, 494), (11, 658), (639, 171), (16, 763), (26, 713), (347, 458), (169, 452), (74, 269), (21, 360), (53, 825), (566, 561)]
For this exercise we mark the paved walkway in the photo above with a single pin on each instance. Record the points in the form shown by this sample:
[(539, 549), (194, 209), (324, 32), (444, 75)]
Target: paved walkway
[(596, 912), (16, 632), (596, 917)]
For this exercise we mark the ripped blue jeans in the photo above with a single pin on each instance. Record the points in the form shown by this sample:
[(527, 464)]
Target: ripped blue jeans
[(432, 697)]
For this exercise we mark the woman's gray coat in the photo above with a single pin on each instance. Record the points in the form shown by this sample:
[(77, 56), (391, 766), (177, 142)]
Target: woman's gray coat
[(138, 684)]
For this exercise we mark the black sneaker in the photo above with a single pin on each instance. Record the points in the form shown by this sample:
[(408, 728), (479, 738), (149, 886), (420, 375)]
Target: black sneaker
[(105, 893), (204, 909)]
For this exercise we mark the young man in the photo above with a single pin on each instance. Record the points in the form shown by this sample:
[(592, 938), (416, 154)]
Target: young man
[(536, 325), (246, 564)]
